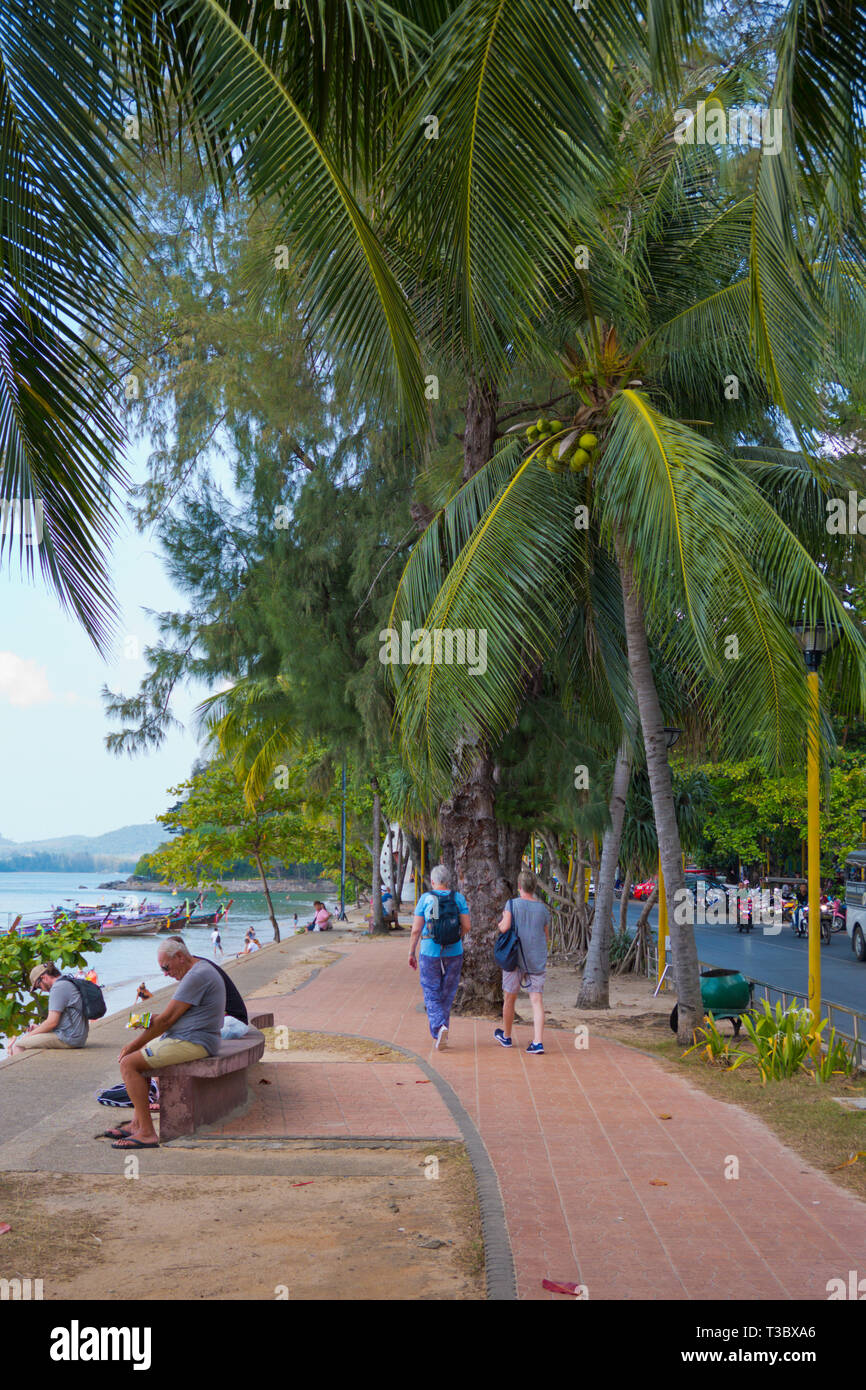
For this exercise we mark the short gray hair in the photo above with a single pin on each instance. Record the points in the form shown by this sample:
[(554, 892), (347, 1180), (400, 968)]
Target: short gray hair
[(170, 948), (440, 876)]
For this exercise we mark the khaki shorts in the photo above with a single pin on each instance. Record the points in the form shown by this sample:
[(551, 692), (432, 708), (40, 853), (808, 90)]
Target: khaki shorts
[(29, 1040), (166, 1051)]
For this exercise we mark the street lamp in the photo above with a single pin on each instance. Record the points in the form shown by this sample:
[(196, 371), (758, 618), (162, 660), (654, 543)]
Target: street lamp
[(671, 736), (814, 639)]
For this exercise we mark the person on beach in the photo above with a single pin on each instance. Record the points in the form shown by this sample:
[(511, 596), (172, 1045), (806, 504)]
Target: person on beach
[(251, 943), (322, 919), (440, 922), (216, 941), (532, 921), (187, 1028), (66, 1024), (143, 991)]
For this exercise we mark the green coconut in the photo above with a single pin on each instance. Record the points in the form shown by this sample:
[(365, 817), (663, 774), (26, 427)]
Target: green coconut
[(587, 441)]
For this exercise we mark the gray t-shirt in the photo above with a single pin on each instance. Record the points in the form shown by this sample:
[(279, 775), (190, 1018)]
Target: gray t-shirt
[(530, 918), (64, 998), (202, 988)]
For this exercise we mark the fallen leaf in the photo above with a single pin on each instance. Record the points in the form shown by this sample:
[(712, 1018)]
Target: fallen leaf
[(853, 1159), (421, 1083), (658, 1182), (4, 1228), (309, 1183), (569, 1289), (665, 1117)]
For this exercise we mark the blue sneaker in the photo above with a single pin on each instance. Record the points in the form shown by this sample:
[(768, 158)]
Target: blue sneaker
[(535, 1047), (501, 1038)]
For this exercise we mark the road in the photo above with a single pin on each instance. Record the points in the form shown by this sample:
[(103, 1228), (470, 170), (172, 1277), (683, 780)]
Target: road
[(780, 960)]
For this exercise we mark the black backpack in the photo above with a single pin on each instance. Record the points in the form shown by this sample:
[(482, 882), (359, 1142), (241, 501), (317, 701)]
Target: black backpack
[(446, 923), (93, 1003)]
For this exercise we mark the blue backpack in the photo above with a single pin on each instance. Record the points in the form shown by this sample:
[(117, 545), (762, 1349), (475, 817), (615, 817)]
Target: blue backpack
[(446, 922)]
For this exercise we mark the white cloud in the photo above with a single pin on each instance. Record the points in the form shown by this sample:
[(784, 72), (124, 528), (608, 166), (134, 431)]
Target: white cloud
[(22, 682)]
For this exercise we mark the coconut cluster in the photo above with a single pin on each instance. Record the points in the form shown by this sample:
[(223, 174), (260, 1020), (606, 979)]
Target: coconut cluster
[(559, 447)]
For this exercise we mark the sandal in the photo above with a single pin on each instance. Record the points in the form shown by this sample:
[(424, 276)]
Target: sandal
[(128, 1142), (119, 1133)]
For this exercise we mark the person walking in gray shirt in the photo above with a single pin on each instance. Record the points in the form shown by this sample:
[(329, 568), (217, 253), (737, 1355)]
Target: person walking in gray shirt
[(532, 920), (66, 1024)]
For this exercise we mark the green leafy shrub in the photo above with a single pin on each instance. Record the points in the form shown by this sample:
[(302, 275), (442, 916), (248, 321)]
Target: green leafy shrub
[(18, 954), (715, 1046)]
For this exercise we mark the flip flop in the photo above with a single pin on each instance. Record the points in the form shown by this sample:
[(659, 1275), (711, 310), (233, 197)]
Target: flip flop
[(119, 1133), (132, 1143)]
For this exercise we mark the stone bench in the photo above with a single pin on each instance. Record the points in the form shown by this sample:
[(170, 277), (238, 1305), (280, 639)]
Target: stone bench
[(192, 1094)]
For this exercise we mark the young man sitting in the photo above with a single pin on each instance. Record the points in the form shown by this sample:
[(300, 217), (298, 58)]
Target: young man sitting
[(66, 1024)]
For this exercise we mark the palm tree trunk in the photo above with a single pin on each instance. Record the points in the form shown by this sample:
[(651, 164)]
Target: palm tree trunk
[(683, 949), (624, 900), (595, 986), (267, 892), (378, 924), (470, 848)]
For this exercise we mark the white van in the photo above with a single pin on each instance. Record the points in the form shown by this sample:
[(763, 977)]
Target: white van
[(855, 901)]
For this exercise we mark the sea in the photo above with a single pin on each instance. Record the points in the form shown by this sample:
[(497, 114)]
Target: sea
[(125, 961)]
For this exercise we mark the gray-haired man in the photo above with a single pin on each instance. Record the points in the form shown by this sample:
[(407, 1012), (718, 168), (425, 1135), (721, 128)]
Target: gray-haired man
[(188, 1027)]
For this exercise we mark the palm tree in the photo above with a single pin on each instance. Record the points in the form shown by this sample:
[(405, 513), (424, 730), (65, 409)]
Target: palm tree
[(288, 104), (650, 330)]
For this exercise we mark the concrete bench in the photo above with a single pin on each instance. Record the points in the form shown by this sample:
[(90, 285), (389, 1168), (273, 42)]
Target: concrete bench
[(198, 1093)]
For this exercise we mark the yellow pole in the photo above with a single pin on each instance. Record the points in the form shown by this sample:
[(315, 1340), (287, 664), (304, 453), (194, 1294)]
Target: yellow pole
[(663, 921), (422, 864), (814, 849), (532, 851)]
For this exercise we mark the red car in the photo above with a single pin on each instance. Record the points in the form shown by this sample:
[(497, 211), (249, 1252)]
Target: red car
[(644, 890)]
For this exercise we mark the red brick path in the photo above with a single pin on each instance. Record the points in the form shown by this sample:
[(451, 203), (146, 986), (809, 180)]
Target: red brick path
[(576, 1141)]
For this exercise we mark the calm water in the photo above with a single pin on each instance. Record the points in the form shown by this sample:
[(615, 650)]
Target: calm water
[(124, 962)]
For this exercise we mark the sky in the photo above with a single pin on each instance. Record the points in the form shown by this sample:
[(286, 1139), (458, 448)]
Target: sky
[(57, 776)]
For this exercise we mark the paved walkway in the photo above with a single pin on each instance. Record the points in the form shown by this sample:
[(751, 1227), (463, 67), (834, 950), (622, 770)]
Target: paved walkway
[(598, 1188)]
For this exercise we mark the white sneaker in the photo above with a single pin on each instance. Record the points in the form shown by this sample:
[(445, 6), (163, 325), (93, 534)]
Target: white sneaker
[(442, 1038)]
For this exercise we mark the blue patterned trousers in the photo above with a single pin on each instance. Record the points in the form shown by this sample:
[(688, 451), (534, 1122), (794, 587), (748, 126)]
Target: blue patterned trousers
[(440, 977)]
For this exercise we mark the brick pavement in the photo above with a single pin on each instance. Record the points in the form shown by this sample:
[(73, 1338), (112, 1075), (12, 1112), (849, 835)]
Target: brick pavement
[(578, 1148)]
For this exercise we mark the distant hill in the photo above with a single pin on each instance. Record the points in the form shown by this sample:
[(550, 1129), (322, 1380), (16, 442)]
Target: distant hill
[(119, 847)]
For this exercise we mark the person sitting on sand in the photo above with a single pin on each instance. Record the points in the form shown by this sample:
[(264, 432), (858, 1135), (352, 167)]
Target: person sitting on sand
[(66, 1024), (187, 1028), (143, 993), (322, 920)]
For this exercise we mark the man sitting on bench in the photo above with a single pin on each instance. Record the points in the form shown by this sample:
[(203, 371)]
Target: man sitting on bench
[(188, 1028)]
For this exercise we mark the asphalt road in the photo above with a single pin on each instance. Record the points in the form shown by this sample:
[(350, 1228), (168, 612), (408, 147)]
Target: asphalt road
[(781, 961)]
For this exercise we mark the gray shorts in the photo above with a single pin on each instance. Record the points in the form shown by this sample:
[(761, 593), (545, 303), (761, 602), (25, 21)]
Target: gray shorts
[(515, 980)]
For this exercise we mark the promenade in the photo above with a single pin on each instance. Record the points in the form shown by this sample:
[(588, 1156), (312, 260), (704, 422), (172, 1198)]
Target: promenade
[(597, 1167)]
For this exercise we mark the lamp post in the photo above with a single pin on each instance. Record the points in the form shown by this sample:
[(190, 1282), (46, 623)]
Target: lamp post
[(671, 736), (342, 916), (814, 640)]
